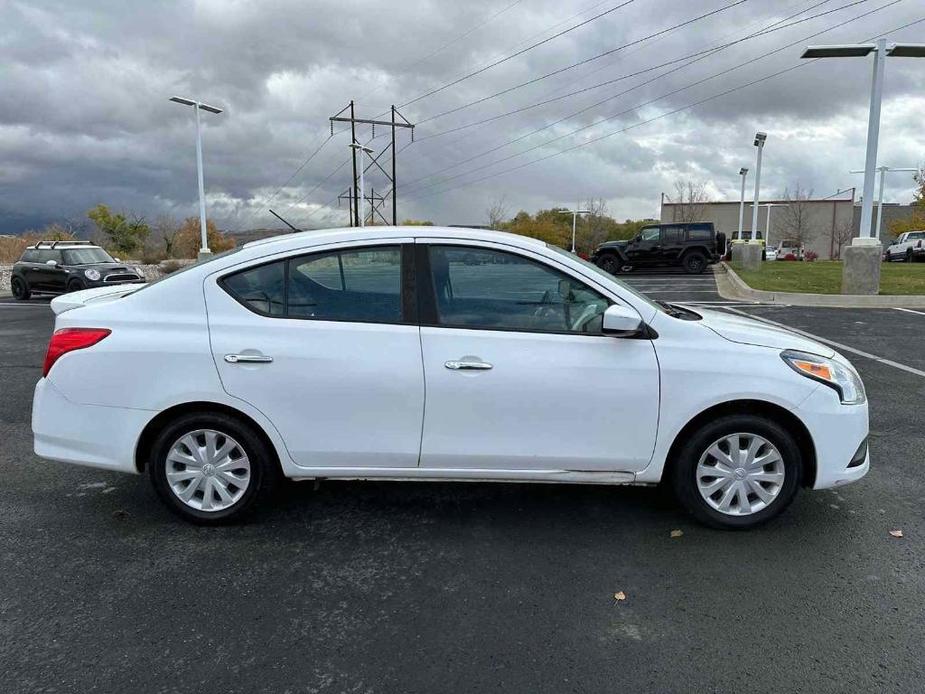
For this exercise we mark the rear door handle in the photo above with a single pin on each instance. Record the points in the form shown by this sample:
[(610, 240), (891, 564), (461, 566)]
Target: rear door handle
[(247, 359), (462, 365)]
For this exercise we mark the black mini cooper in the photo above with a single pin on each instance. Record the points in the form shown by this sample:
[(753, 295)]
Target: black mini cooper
[(57, 267)]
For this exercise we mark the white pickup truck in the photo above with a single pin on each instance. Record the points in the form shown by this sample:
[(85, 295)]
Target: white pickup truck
[(908, 246)]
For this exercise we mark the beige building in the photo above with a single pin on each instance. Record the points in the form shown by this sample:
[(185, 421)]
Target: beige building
[(822, 225)]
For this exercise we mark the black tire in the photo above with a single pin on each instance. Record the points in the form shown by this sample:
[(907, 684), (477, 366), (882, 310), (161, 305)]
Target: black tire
[(264, 471), (75, 286), (720, 243), (609, 263), (909, 255), (694, 263), (20, 289), (683, 470)]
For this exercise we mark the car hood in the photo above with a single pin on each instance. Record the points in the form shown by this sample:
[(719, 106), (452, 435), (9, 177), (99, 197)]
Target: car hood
[(613, 244), (104, 267), (97, 295), (748, 331)]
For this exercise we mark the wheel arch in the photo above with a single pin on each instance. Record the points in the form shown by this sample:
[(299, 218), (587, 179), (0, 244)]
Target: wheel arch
[(782, 416), (151, 429)]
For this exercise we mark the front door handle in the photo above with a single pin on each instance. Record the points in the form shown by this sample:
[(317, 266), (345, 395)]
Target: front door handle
[(462, 365), (247, 359)]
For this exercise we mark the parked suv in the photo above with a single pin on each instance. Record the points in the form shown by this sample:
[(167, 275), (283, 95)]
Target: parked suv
[(691, 246), (908, 246), (56, 267)]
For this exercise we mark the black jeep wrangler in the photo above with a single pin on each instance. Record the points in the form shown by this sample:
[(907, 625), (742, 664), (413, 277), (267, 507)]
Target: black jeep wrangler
[(688, 245), (56, 267)]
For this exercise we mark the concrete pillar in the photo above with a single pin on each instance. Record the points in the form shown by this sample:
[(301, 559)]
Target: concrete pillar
[(861, 267), (748, 255)]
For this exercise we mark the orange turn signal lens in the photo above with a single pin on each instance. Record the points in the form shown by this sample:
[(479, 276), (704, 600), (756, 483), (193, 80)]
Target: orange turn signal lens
[(823, 371)]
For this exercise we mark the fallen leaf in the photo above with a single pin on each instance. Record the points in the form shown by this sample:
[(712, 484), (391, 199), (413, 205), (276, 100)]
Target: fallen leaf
[(619, 595), (677, 533), (896, 533)]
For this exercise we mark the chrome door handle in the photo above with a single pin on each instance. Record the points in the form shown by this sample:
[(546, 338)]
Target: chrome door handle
[(247, 359), (468, 365)]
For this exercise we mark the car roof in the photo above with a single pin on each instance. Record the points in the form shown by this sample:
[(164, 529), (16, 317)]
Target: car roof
[(60, 245), (322, 236)]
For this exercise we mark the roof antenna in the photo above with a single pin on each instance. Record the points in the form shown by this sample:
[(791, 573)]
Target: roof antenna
[(284, 221)]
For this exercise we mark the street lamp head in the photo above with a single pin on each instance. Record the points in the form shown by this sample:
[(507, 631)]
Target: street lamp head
[(854, 50), (190, 102), (760, 138), (907, 50), (743, 171)]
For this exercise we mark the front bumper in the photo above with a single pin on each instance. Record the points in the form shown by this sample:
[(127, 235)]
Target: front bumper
[(91, 435), (837, 432)]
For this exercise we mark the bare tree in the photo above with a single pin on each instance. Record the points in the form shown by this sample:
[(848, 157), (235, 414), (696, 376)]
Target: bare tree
[(841, 236), (689, 200), (165, 230), (796, 214), (497, 212), (594, 227)]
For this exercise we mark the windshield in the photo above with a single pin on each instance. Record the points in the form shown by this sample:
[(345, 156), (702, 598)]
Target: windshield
[(607, 275), (86, 256)]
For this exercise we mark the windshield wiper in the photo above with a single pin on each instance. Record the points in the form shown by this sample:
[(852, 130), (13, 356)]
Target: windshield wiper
[(669, 308)]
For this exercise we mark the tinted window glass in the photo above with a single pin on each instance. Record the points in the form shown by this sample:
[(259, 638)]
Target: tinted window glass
[(260, 288), (358, 285), (30, 256), (672, 235), (650, 234), (481, 288), (701, 232), (43, 255)]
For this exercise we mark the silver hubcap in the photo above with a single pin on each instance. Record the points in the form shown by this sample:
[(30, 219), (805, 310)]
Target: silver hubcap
[(208, 470), (740, 474)]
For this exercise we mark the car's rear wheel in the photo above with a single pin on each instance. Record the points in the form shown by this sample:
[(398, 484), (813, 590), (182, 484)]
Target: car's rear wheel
[(20, 289), (694, 263), (737, 472), (211, 468), (609, 263), (909, 255)]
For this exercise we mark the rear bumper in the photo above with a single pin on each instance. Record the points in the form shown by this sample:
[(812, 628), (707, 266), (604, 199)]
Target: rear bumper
[(91, 435)]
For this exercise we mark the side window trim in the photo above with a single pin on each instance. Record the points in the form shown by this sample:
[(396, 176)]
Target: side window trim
[(426, 292), (407, 298)]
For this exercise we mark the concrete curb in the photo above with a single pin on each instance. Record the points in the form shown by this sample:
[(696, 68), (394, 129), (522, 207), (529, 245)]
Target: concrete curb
[(731, 286)]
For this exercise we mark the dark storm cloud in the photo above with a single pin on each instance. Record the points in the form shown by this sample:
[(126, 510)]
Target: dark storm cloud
[(85, 117)]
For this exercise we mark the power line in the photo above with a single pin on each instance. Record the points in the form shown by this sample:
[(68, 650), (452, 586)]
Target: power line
[(518, 53), (663, 115), (701, 55), (581, 62), (719, 47)]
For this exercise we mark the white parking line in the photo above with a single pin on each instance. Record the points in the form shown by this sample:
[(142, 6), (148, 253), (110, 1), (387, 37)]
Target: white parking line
[(837, 345), (909, 310)]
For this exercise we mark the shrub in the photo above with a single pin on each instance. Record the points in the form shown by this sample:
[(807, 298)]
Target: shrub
[(790, 256), (810, 256)]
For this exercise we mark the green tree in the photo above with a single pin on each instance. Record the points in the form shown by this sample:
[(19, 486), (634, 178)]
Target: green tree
[(417, 223), (123, 235)]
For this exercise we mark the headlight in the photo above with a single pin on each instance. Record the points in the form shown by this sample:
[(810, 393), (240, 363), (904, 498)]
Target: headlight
[(841, 377), (93, 275)]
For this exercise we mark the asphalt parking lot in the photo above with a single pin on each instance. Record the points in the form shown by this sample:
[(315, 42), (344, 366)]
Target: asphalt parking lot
[(385, 587)]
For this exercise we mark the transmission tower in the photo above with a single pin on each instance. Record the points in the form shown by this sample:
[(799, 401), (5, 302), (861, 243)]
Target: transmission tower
[(397, 121)]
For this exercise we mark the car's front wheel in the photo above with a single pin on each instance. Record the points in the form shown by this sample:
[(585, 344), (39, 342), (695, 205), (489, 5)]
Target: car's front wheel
[(20, 289), (211, 468), (609, 263), (737, 472)]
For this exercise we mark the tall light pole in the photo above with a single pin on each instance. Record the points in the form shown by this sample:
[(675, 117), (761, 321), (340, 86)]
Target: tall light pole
[(743, 172), (574, 214), (760, 138), (197, 106), (362, 148), (880, 51), (767, 224), (883, 171)]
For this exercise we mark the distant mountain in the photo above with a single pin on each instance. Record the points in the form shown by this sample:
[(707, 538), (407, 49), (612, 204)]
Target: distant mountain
[(246, 235)]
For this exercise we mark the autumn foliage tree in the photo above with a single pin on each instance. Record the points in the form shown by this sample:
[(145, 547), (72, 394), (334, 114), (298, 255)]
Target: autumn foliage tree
[(186, 242)]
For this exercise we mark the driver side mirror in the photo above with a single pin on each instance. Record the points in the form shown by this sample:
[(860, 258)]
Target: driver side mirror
[(52, 263), (622, 321)]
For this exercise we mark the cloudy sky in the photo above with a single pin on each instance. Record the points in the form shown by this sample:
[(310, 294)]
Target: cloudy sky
[(85, 116)]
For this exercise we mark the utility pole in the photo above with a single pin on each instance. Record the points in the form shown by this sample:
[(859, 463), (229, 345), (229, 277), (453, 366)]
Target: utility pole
[(348, 195), (397, 121)]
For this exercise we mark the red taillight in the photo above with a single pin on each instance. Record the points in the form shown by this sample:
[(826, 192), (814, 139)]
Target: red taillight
[(67, 340)]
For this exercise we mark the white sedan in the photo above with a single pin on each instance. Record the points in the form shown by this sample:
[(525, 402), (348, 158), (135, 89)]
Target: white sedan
[(424, 353)]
